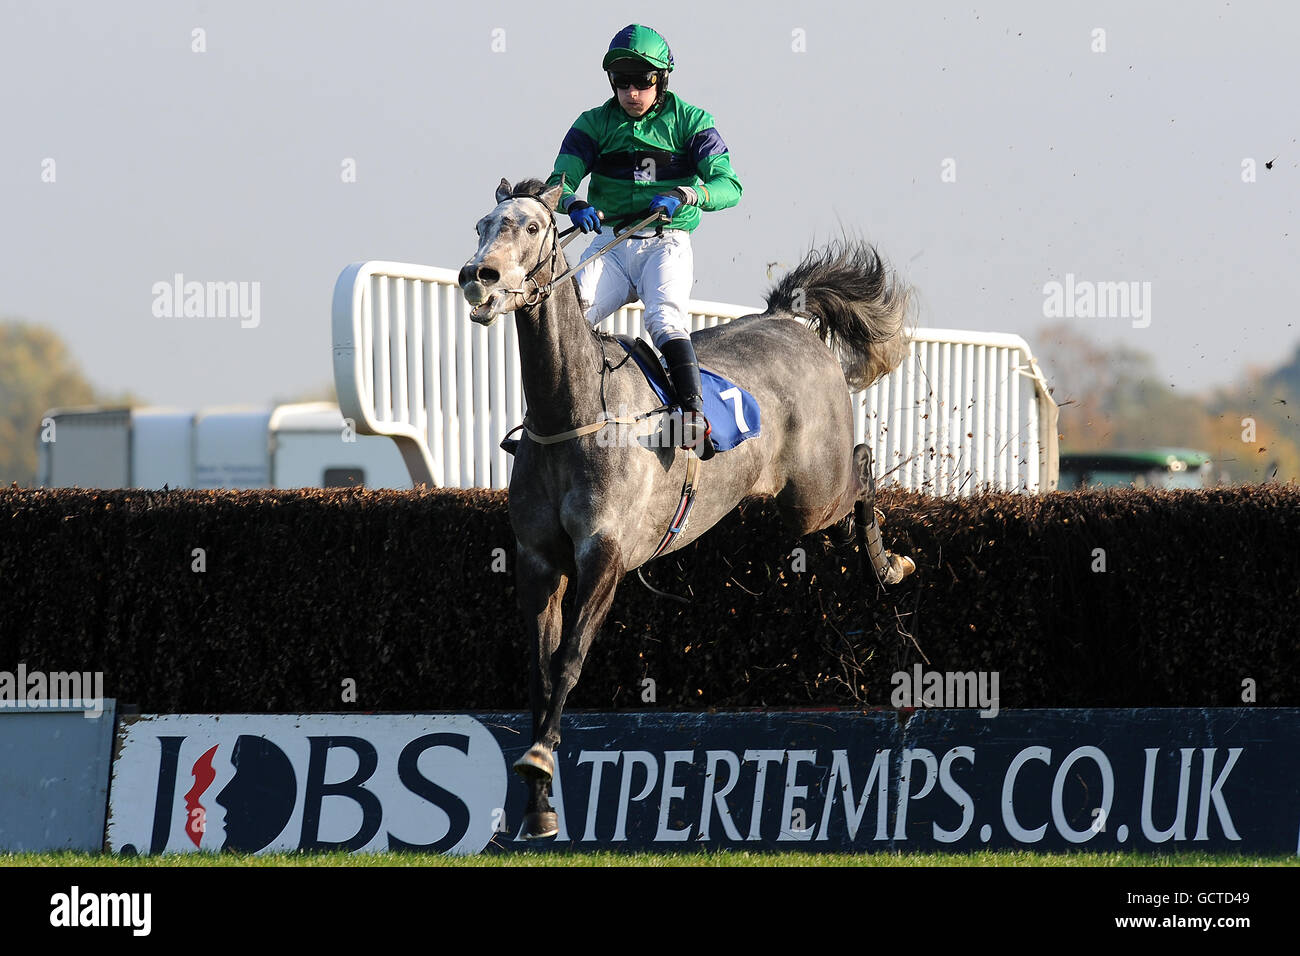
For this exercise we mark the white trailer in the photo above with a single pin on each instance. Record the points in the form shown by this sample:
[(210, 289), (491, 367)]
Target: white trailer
[(313, 447), (90, 447), (306, 445), (232, 448), (162, 448)]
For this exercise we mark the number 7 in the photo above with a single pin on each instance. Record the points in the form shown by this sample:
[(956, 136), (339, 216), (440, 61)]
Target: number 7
[(733, 395)]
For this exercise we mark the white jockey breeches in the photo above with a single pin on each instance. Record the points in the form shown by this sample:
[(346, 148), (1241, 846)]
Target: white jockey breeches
[(658, 270)]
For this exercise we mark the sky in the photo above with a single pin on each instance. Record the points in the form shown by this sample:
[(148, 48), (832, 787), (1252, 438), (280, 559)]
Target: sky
[(988, 150)]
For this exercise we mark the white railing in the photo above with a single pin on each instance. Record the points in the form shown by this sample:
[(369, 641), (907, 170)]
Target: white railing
[(966, 412)]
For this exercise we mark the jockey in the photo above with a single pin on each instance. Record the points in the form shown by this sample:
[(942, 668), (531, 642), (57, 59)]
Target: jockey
[(646, 149)]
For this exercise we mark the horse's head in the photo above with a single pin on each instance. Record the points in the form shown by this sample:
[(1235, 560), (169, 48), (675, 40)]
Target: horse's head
[(517, 243)]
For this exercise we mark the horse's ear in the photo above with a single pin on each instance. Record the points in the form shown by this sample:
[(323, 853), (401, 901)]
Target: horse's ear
[(552, 195), (504, 190)]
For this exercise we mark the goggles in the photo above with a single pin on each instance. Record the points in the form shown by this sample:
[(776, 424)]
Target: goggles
[(642, 81)]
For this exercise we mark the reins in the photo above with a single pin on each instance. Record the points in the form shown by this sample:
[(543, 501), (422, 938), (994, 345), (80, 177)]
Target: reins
[(540, 292)]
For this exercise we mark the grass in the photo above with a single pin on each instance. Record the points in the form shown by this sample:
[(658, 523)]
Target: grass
[(703, 858)]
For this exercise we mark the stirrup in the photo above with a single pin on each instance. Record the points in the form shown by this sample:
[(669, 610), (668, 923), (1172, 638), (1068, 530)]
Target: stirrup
[(691, 438)]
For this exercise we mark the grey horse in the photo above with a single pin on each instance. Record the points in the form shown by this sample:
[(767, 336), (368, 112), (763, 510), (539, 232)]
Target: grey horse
[(586, 510)]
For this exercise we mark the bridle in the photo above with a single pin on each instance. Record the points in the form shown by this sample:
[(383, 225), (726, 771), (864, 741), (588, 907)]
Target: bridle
[(540, 292)]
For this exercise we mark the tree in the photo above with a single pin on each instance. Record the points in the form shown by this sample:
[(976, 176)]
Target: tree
[(1286, 378), (1116, 399), (37, 373), (1261, 417)]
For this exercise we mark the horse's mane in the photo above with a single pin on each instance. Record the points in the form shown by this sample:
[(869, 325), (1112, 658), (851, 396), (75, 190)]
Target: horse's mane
[(528, 187)]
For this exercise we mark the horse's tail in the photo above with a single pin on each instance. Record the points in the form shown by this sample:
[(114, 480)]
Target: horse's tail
[(854, 302)]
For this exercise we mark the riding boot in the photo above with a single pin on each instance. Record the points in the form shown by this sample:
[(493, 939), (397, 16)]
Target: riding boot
[(684, 372)]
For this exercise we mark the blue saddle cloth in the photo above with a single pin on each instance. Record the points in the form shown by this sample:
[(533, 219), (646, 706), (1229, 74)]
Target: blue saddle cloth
[(732, 412)]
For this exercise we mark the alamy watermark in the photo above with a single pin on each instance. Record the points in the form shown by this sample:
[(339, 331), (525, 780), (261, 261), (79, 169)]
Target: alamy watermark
[(946, 689), (42, 690), (625, 428), (76, 908), (1085, 299), (208, 300)]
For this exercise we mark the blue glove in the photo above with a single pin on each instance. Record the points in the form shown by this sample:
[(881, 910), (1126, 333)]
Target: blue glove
[(584, 216), (669, 205)]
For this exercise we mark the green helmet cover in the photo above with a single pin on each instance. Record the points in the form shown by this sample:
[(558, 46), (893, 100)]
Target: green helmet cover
[(635, 42)]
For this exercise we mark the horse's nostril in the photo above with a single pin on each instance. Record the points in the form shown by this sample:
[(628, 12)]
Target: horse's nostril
[(466, 275), (488, 276)]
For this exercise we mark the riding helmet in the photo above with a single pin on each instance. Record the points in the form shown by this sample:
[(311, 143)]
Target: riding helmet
[(636, 47)]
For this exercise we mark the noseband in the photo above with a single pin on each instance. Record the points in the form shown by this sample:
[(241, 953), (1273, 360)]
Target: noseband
[(540, 291)]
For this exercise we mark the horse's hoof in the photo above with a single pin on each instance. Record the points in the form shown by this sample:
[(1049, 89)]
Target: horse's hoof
[(900, 566), (541, 826), (538, 762)]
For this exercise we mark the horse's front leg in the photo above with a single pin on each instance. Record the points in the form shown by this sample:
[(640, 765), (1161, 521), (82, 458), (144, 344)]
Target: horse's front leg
[(540, 589), (600, 568)]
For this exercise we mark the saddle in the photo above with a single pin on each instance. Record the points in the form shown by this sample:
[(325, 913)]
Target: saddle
[(648, 361), (732, 411)]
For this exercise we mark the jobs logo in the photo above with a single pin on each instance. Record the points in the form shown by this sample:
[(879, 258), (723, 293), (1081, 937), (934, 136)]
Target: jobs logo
[(326, 782)]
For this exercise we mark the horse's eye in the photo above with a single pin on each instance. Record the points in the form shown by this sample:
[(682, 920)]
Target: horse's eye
[(532, 228)]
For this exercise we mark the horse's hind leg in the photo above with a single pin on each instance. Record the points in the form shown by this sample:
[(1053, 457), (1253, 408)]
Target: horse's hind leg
[(540, 588), (889, 568), (817, 495)]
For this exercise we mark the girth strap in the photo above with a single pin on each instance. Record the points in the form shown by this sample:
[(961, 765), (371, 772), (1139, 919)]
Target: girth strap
[(683, 513)]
